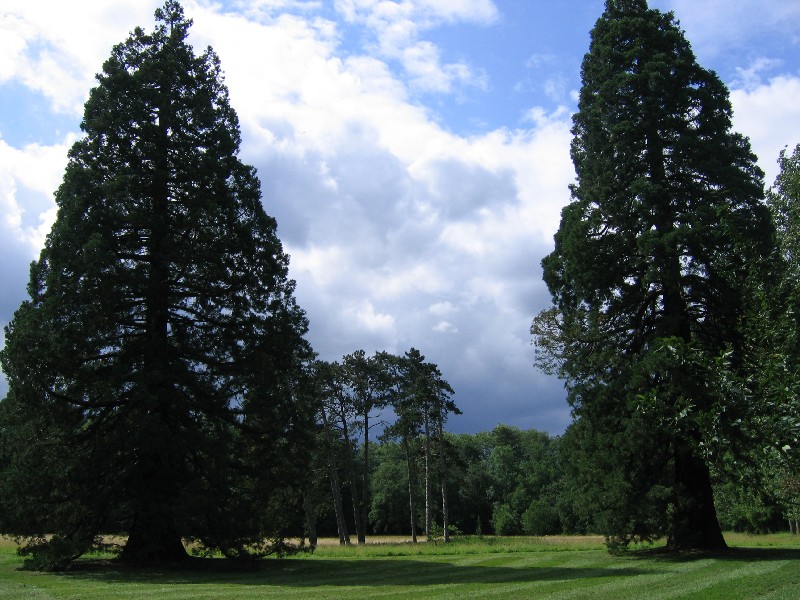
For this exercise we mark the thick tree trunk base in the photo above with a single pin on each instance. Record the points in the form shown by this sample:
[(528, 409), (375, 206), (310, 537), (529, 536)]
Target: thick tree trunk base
[(706, 539), (152, 552), (695, 525), (152, 542)]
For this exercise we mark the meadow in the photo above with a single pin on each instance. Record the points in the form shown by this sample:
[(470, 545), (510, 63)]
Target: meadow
[(521, 567)]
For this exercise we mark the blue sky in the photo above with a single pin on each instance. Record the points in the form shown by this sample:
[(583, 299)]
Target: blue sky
[(414, 152)]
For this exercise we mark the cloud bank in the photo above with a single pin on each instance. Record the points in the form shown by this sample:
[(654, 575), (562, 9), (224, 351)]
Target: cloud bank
[(402, 230)]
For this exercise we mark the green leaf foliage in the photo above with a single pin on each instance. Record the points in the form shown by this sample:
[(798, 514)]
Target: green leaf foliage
[(779, 378), (152, 373)]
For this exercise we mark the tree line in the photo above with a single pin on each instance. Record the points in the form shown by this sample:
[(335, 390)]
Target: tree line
[(161, 386), (509, 481), (349, 396)]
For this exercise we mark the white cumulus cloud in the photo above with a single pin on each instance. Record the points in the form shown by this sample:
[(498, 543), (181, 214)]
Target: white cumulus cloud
[(402, 232)]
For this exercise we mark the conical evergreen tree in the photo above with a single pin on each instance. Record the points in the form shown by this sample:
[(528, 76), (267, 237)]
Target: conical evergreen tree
[(151, 372), (665, 228)]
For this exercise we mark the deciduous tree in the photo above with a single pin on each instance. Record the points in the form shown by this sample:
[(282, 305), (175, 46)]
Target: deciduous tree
[(781, 377)]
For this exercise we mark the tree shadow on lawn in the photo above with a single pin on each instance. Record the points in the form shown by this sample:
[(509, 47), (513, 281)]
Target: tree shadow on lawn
[(731, 554), (334, 572)]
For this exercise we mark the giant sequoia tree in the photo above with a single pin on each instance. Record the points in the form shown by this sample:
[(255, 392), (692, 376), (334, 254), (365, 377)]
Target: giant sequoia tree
[(151, 372), (665, 231)]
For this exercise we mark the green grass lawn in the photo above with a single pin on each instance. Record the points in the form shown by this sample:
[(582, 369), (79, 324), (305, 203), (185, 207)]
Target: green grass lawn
[(564, 567)]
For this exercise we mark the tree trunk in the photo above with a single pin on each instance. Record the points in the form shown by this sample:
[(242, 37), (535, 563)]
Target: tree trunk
[(694, 523), (338, 508), (411, 506), (443, 475), (362, 537), (356, 505), (445, 513), (153, 536), (351, 475), (354, 491), (336, 488), (154, 539), (311, 517), (428, 499)]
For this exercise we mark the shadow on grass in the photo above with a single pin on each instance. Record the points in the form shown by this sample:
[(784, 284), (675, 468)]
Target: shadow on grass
[(731, 554), (338, 573)]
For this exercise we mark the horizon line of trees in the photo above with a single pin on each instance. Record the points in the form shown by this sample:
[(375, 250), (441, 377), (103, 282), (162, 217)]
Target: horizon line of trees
[(510, 481)]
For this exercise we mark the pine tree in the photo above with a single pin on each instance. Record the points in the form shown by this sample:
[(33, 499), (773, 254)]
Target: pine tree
[(151, 372), (367, 385), (665, 229), (408, 422)]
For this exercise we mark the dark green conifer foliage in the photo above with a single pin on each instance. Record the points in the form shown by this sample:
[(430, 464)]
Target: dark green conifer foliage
[(151, 373), (665, 227)]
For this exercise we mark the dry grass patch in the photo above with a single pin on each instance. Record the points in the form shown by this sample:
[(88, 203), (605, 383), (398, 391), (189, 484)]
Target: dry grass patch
[(7, 542)]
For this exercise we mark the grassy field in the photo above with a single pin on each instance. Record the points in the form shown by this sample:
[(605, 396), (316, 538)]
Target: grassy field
[(558, 567)]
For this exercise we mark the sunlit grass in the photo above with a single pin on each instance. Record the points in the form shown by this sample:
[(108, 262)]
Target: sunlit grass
[(754, 540), (401, 546), (469, 567)]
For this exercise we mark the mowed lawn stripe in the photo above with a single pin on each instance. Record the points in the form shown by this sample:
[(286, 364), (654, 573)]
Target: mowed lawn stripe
[(386, 573), (556, 575), (706, 579), (725, 579)]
